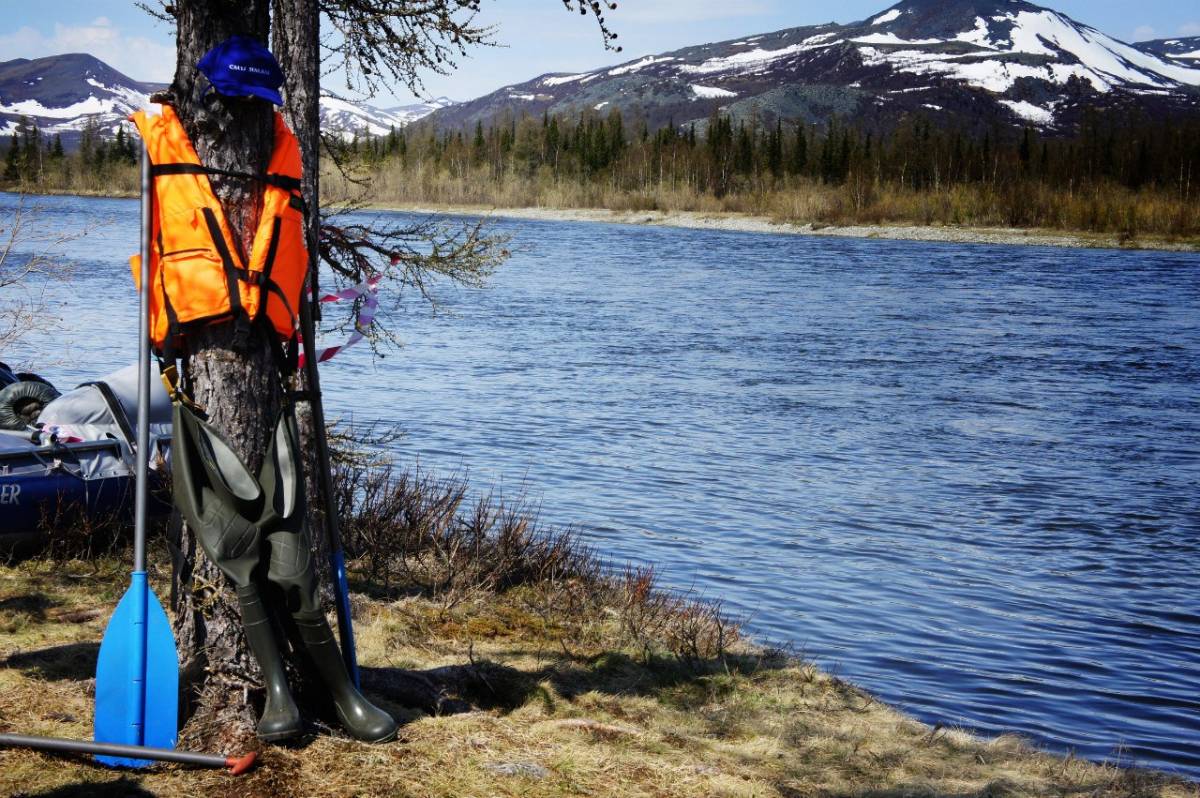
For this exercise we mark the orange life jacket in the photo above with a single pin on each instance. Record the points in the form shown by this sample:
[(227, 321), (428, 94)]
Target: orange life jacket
[(198, 274)]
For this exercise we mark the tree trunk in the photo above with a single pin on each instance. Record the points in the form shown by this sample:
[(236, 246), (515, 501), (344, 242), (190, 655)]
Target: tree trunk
[(295, 42), (229, 369)]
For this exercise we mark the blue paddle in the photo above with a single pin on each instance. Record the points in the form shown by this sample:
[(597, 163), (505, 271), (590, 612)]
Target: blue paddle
[(337, 557), (137, 672)]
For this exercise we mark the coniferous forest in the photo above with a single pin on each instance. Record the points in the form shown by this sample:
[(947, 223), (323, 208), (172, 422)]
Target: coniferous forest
[(1116, 175), (1127, 175), (101, 164)]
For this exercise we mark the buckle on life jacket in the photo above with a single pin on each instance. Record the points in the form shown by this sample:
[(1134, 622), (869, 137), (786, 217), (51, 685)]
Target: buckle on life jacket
[(170, 380)]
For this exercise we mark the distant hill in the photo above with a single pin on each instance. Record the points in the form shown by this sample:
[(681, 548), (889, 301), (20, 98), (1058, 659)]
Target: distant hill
[(1185, 50), (970, 63), (63, 92), (973, 64), (350, 118)]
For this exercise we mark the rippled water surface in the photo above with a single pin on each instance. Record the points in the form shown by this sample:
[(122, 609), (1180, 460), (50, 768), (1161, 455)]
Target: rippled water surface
[(968, 477)]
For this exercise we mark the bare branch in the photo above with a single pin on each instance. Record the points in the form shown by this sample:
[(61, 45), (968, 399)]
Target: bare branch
[(27, 253), (410, 256), (381, 42), (163, 11)]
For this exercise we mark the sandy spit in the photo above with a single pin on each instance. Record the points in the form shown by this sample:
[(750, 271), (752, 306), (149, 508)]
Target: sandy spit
[(762, 224)]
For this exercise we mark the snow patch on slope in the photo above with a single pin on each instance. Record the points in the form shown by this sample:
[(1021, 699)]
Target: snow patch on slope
[(559, 80), (1059, 49), (712, 92), (92, 105), (637, 65), (754, 59), (1032, 31), (991, 74), (346, 118), (891, 38), (980, 36), (1029, 111), (890, 16)]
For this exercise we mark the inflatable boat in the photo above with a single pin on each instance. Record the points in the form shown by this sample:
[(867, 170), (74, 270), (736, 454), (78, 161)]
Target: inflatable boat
[(78, 456)]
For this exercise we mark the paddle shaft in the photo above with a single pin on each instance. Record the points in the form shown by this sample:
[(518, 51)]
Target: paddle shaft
[(236, 764), (141, 490), (137, 668), (138, 587), (336, 556)]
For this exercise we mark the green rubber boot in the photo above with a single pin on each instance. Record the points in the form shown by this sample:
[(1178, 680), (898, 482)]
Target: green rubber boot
[(280, 718), (362, 719)]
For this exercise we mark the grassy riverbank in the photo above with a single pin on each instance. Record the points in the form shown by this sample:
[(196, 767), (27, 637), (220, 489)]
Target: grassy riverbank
[(748, 223), (1107, 217), (555, 677), (548, 715), (753, 223)]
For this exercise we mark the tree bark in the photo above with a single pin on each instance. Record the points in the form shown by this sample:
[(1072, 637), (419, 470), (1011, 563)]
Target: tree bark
[(228, 368), (295, 42)]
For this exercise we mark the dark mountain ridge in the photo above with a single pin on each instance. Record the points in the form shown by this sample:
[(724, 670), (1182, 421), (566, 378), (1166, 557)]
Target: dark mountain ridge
[(970, 63), (63, 94)]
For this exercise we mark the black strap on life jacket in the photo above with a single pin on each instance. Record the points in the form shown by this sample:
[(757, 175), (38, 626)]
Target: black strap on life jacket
[(285, 182), (167, 356)]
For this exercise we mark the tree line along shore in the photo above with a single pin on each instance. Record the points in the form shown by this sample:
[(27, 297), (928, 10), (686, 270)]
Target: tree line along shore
[(1122, 176), (1127, 176)]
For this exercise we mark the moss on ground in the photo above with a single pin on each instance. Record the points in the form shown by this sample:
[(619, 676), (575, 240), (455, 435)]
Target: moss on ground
[(558, 706)]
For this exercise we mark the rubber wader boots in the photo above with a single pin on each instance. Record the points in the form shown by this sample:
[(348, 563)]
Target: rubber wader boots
[(217, 495), (234, 517), (291, 569)]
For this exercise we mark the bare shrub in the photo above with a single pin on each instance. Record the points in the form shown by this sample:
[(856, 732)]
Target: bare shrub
[(409, 532), (412, 532)]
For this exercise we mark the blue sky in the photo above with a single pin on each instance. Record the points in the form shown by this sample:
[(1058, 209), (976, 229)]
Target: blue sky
[(539, 35)]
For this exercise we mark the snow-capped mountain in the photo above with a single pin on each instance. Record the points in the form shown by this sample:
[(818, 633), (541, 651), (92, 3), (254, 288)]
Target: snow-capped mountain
[(64, 93), (969, 62), (1185, 49), (348, 118)]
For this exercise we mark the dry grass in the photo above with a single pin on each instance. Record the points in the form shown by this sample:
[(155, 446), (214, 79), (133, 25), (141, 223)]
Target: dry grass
[(554, 677), (110, 180), (1105, 208), (596, 716)]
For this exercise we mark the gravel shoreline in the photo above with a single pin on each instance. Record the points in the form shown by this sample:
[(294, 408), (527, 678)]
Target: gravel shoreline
[(762, 224)]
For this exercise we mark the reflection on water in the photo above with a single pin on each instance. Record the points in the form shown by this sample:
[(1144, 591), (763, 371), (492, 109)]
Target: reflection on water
[(965, 475)]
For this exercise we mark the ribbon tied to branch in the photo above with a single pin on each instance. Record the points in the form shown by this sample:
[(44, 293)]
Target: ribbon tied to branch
[(368, 291)]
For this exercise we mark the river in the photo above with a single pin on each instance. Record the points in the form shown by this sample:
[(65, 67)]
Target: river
[(966, 477)]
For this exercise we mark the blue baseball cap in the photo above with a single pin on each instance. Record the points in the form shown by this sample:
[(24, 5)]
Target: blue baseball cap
[(242, 66)]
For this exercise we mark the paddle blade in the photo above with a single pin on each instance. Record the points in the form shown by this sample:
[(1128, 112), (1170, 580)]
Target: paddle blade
[(137, 676)]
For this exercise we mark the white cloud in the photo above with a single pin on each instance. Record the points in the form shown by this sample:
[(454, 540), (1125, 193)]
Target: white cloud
[(138, 57), (1189, 29), (651, 11), (1143, 32)]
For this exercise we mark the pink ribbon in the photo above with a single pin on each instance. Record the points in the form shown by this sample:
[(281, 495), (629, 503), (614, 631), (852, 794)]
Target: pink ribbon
[(369, 292)]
